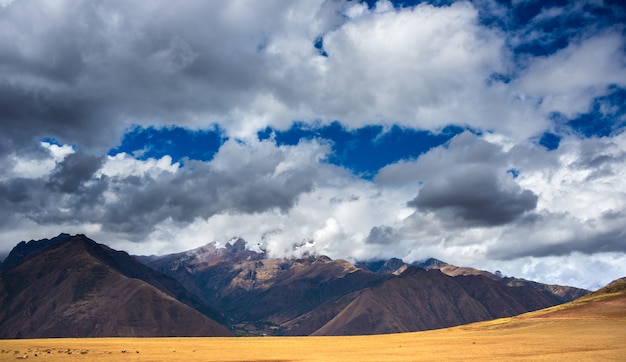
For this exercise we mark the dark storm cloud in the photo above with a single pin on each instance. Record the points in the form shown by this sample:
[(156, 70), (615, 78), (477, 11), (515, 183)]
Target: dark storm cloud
[(45, 87), (70, 194), (89, 70), (474, 196), (76, 193), (16, 196), (74, 171), (466, 182), (595, 155), (382, 235), (200, 192)]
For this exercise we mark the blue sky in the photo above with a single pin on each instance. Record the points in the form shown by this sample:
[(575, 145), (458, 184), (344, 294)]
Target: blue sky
[(363, 151), (483, 133)]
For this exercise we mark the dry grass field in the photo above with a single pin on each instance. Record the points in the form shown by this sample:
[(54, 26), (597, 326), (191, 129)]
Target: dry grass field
[(587, 330)]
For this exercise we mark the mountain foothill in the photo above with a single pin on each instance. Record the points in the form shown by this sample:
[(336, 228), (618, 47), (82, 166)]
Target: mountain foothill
[(72, 286)]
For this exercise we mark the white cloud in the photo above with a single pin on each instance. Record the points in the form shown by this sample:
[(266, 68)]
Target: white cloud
[(356, 10), (569, 80), (123, 165), (5, 3), (338, 214), (29, 167), (424, 67), (572, 269), (86, 72)]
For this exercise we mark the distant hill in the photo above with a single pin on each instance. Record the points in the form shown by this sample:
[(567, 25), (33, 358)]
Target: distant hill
[(75, 287), (615, 287), (561, 293), (419, 300), (317, 295), (608, 302)]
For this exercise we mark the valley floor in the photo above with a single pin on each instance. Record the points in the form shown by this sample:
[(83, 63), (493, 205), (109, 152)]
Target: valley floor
[(558, 337)]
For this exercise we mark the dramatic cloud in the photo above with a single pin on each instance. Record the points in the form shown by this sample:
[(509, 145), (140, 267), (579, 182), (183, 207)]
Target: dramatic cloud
[(128, 196), (381, 235), (241, 179), (568, 81), (483, 133), (466, 183), (476, 196)]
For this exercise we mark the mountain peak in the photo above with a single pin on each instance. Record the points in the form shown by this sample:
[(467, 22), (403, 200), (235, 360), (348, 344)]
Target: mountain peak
[(430, 263), (238, 246), (382, 267), (24, 250), (78, 288), (206, 256)]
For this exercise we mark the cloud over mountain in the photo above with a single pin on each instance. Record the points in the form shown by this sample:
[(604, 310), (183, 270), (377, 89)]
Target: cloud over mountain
[(478, 132)]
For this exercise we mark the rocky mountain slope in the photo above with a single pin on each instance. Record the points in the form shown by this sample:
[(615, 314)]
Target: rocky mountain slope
[(419, 300), (317, 295), (70, 286), (562, 294), (23, 250), (78, 288), (262, 295)]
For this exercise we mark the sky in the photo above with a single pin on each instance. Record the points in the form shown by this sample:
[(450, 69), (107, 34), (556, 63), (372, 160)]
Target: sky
[(483, 133)]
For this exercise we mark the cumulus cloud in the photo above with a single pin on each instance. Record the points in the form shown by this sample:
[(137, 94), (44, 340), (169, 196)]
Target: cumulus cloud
[(90, 71), (87, 73), (73, 171), (562, 202), (569, 80), (381, 235), (465, 183), (474, 195), (243, 178), (34, 164)]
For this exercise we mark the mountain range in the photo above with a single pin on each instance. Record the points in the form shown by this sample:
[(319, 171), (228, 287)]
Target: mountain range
[(71, 286), (315, 295)]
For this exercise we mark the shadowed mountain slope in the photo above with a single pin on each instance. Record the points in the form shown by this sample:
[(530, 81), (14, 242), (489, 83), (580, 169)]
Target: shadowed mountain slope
[(396, 266), (78, 288), (262, 295), (420, 300), (317, 295), (23, 250)]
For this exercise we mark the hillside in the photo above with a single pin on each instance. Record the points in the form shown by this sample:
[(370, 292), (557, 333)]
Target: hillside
[(78, 288), (420, 300), (262, 295), (73, 286), (562, 293), (605, 303), (317, 295), (593, 329)]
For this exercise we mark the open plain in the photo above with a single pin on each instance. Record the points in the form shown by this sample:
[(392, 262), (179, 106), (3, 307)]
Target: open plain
[(591, 328)]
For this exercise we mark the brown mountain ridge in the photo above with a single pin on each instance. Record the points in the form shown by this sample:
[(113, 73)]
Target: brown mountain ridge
[(72, 286), (315, 295), (78, 288)]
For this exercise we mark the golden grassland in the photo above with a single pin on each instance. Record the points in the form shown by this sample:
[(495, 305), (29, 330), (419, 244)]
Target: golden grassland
[(582, 331)]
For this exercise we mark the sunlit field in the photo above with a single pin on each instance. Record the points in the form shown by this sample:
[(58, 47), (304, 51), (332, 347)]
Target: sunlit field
[(600, 335)]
